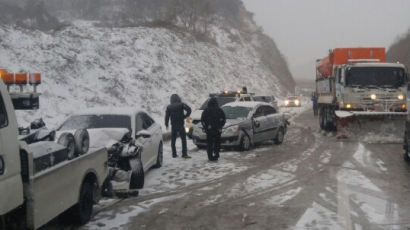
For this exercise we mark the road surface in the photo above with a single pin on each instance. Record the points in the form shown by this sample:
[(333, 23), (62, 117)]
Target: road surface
[(312, 181)]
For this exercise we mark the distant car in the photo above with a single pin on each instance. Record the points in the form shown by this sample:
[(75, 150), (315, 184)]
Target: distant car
[(222, 98), (293, 101), (247, 123), (133, 139)]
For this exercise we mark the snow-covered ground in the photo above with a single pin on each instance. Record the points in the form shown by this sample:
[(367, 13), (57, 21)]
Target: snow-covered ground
[(88, 66)]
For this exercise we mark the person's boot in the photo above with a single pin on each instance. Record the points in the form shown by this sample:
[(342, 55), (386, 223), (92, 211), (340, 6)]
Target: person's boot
[(186, 156), (174, 155)]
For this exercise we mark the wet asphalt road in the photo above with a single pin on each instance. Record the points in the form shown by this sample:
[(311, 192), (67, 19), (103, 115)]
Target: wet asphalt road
[(312, 181)]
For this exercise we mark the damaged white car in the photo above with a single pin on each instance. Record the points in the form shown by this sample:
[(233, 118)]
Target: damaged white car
[(133, 139)]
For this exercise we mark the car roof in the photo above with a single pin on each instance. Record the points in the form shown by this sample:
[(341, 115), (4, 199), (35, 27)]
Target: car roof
[(130, 111), (249, 104)]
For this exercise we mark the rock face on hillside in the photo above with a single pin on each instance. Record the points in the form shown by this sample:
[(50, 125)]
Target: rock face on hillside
[(89, 64)]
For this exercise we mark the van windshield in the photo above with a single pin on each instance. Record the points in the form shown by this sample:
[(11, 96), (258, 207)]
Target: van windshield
[(388, 77)]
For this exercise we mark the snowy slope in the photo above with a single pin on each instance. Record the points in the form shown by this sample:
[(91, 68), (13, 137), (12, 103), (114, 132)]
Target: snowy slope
[(87, 66)]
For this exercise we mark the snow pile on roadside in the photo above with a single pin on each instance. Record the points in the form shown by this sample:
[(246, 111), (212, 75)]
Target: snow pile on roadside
[(179, 173), (86, 66)]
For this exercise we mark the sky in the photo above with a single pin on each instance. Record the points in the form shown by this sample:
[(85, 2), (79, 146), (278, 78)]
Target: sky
[(305, 30)]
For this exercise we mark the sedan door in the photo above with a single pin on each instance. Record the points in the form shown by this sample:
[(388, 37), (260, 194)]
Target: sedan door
[(273, 122), (259, 126), (145, 142), (155, 139)]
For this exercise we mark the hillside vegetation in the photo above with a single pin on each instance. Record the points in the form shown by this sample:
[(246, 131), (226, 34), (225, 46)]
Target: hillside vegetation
[(400, 51), (107, 53)]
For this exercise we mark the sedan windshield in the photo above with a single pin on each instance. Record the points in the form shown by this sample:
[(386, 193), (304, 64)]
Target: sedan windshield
[(375, 77), (96, 122), (236, 112)]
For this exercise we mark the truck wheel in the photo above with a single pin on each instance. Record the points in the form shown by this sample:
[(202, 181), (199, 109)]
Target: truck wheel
[(280, 136), (137, 174), (245, 143), (82, 141), (67, 140), (83, 210), (406, 155), (160, 157)]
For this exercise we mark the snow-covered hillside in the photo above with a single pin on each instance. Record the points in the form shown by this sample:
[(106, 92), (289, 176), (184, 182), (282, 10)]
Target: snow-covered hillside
[(87, 66)]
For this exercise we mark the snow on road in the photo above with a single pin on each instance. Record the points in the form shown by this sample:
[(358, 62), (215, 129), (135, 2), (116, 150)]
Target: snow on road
[(177, 174)]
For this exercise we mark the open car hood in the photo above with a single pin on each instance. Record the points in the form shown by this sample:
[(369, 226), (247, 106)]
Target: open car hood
[(106, 137)]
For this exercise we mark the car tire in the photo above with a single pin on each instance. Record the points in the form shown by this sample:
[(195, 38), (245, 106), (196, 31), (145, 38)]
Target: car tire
[(160, 156), (280, 136), (82, 141), (67, 140), (137, 174), (81, 213), (245, 144)]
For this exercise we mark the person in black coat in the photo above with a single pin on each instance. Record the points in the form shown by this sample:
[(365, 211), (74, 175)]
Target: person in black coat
[(177, 112), (213, 120)]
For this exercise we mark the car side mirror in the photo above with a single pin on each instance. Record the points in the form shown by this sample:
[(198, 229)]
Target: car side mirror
[(144, 134)]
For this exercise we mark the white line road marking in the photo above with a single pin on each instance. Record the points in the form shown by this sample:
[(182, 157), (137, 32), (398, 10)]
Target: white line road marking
[(343, 202)]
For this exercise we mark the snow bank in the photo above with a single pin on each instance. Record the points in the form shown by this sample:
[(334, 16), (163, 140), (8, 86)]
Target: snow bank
[(86, 66)]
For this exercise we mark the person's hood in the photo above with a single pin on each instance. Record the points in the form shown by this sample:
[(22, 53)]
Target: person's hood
[(213, 103), (175, 99), (99, 138)]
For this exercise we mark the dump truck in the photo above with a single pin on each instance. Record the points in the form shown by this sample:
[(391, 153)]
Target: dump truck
[(38, 180), (359, 92)]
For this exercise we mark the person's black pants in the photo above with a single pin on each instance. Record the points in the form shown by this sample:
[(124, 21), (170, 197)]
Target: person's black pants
[(182, 135), (315, 109), (214, 145)]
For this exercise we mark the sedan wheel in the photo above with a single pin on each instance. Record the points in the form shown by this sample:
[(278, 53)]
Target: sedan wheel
[(280, 136), (245, 143), (160, 156)]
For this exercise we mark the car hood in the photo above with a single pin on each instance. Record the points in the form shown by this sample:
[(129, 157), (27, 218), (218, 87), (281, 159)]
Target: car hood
[(196, 115), (102, 137), (232, 122)]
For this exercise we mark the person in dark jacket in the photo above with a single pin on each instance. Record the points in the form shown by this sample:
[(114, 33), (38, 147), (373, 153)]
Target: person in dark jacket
[(314, 104), (213, 120), (177, 112)]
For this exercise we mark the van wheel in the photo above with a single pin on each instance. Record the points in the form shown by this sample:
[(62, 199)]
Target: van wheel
[(82, 141), (160, 156), (245, 143), (67, 140), (280, 136), (82, 211), (137, 174)]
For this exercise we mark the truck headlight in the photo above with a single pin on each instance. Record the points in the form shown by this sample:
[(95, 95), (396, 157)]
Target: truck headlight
[(297, 102), (286, 102), (232, 130), (373, 96), (400, 97), (348, 106)]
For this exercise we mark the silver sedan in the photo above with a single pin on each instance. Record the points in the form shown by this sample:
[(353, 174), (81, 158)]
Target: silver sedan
[(247, 123)]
